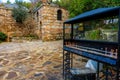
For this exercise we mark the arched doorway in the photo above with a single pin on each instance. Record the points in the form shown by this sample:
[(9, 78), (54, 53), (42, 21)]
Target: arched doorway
[(40, 28)]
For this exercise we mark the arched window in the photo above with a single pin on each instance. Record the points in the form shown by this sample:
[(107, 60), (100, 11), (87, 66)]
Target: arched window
[(59, 15)]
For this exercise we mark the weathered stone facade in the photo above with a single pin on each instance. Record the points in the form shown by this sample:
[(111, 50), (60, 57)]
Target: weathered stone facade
[(50, 18), (8, 25), (6, 21)]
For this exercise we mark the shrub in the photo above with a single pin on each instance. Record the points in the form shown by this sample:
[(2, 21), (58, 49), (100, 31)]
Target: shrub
[(30, 25), (19, 14), (3, 36)]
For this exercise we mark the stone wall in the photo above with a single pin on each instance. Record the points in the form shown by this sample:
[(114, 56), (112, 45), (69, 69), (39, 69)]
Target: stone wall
[(50, 28), (9, 26)]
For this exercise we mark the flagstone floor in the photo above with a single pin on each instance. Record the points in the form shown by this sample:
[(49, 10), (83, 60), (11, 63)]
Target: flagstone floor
[(34, 60)]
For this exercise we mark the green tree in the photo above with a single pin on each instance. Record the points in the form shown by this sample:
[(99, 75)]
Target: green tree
[(27, 4), (75, 7), (23, 3), (8, 2), (19, 14)]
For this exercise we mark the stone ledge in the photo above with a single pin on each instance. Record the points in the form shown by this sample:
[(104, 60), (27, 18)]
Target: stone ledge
[(22, 39)]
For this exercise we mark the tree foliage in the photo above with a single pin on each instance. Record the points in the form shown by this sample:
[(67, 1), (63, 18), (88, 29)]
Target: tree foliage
[(23, 3), (8, 2), (3, 36), (76, 7), (27, 4), (19, 14)]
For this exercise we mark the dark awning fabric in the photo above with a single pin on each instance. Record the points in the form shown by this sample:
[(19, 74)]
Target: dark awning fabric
[(94, 14)]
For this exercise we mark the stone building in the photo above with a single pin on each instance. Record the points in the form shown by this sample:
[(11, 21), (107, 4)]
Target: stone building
[(50, 18)]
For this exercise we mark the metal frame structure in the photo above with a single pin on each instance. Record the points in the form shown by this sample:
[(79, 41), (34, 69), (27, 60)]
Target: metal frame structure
[(89, 48)]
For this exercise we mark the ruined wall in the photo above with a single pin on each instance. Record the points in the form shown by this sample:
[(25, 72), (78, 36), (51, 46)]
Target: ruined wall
[(9, 26), (50, 27)]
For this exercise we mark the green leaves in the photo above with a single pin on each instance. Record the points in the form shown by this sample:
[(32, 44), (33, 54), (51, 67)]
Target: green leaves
[(8, 2), (92, 35), (3, 36), (23, 3), (19, 14), (76, 7)]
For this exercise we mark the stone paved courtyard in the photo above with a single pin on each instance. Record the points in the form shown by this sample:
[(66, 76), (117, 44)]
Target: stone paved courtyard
[(35, 60)]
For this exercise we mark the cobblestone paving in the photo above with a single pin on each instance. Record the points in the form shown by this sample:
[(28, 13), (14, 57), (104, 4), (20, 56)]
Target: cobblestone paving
[(31, 61), (34, 60)]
